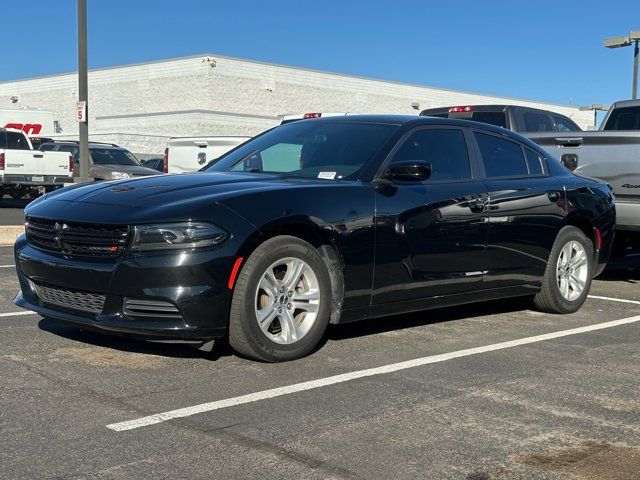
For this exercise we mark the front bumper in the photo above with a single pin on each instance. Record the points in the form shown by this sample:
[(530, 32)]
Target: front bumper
[(194, 282)]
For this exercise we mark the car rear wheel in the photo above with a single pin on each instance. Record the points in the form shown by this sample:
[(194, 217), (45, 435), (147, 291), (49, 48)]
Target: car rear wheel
[(568, 275), (281, 302)]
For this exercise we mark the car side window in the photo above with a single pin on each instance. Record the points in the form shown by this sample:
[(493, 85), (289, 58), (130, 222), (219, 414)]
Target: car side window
[(535, 162), (564, 124), (535, 122), (502, 158), (445, 149)]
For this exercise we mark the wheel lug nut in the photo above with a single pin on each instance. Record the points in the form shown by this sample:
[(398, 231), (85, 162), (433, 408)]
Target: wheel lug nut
[(280, 310), (281, 289), (291, 294), (289, 306)]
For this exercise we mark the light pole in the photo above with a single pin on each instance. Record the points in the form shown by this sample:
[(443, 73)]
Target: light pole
[(83, 109), (626, 41), (595, 107)]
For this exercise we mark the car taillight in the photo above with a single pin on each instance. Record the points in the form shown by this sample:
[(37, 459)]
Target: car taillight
[(460, 109), (71, 163), (1, 161), (312, 115), (165, 161)]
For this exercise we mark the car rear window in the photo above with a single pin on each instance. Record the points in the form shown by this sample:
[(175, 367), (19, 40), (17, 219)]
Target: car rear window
[(502, 158), (624, 119), (14, 141), (499, 119)]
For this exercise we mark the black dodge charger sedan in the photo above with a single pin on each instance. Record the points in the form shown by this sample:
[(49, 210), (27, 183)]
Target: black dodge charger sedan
[(316, 222)]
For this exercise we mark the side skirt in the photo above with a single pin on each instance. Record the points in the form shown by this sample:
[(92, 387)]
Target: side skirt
[(416, 305)]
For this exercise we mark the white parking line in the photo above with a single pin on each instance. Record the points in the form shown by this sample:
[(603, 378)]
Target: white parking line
[(15, 314), (7, 266), (347, 377), (613, 299)]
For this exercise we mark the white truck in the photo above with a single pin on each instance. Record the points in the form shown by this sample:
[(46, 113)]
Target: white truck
[(190, 154), (23, 169)]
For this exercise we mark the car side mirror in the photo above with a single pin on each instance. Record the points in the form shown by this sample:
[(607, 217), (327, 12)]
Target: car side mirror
[(409, 171)]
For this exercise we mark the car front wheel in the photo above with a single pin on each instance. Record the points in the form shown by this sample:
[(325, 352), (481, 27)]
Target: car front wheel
[(568, 274), (281, 302)]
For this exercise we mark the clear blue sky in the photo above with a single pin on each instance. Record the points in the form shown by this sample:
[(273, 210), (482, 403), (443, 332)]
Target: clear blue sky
[(543, 50)]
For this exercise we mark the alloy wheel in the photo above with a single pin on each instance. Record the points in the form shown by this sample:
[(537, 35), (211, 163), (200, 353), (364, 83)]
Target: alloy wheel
[(572, 270), (287, 300)]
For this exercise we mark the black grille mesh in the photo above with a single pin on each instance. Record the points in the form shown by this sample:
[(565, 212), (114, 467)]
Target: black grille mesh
[(73, 238), (71, 300)]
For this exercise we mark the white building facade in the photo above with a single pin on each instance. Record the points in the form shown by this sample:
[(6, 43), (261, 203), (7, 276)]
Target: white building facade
[(140, 106)]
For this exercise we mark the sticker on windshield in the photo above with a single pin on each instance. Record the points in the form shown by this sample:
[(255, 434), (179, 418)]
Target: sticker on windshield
[(327, 175)]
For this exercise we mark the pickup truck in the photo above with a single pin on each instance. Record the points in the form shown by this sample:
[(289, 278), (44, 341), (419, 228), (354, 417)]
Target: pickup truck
[(23, 169), (512, 117), (190, 154), (611, 154)]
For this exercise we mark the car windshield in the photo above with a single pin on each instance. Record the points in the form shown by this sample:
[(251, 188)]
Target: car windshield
[(310, 149), (113, 156)]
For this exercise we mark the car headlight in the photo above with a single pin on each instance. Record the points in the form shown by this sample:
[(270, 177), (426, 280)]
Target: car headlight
[(119, 175), (173, 236)]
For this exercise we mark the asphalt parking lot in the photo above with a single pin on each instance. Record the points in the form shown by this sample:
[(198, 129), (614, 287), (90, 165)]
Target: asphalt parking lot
[(522, 406), (12, 211)]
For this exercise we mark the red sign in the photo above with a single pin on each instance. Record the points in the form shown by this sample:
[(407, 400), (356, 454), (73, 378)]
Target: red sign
[(29, 128)]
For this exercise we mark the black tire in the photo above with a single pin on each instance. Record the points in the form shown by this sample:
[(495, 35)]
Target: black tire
[(18, 192), (550, 299), (245, 335)]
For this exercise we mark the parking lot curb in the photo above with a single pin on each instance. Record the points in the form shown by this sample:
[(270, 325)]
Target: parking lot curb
[(9, 233)]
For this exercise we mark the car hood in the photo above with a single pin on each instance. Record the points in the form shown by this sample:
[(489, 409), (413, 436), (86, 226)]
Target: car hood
[(172, 190), (134, 170)]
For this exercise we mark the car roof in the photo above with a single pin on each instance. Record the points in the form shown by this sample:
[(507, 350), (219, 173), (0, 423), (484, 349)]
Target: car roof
[(626, 103), (75, 143)]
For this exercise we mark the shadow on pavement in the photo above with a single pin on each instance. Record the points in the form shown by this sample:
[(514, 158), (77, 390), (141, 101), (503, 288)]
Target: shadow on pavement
[(334, 332), (426, 317), (64, 330), (620, 275)]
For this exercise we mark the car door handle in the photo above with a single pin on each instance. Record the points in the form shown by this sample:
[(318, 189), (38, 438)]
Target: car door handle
[(568, 142), (478, 204), (38, 155), (553, 196)]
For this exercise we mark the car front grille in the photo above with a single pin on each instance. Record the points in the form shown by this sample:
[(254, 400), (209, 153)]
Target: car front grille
[(70, 300), (72, 238)]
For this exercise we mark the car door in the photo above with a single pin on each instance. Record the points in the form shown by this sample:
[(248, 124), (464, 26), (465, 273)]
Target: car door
[(526, 210), (431, 234)]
